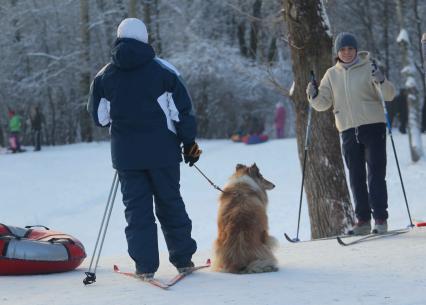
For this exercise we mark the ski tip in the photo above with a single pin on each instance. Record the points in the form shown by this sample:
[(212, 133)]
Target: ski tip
[(340, 241), (292, 240), (208, 262), (116, 269)]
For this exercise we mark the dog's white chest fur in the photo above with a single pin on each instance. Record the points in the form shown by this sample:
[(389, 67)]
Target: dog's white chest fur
[(246, 180)]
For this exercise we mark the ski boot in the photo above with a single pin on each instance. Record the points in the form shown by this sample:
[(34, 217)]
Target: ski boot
[(146, 276), (380, 226), (362, 227), (186, 268)]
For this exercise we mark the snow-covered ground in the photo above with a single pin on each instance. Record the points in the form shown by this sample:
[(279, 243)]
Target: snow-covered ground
[(66, 188)]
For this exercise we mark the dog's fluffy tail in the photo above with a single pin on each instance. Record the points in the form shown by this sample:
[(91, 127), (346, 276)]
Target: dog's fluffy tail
[(266, 261), (239, 256)]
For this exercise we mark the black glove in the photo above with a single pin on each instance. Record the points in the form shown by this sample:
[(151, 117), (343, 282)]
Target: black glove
[(191, 153)]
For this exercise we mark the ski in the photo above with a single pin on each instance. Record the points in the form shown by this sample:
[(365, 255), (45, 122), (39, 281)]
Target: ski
[(296, 240), (292, 240), (154, 282), (371, 236), (159, 283), (182, 275)]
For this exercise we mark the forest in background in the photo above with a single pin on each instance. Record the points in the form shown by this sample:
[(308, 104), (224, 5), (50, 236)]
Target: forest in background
[(234, 56)]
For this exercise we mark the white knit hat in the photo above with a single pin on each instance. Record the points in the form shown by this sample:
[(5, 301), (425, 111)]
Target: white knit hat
[(132, 28)]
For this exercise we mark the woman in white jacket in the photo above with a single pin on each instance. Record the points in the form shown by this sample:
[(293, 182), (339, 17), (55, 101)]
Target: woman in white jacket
[(349, 88)]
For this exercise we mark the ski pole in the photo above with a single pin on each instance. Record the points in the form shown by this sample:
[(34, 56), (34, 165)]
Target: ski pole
[(388, 124), (91, 276), (305, 153)]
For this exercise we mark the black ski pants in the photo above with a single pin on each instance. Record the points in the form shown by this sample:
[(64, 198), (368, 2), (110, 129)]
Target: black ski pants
[(139, 188), (364, 150)]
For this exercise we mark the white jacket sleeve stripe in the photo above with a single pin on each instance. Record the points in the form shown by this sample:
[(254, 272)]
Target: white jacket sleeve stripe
[(103, 112)]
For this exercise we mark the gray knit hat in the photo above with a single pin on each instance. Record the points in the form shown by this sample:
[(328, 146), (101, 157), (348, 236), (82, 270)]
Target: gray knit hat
[(345, 39)]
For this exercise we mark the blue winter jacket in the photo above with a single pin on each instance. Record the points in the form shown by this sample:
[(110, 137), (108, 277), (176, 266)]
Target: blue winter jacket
[(147, 107)]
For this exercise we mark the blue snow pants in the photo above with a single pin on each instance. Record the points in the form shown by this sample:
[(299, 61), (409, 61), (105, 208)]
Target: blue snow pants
[(364, 150), (139, 188)]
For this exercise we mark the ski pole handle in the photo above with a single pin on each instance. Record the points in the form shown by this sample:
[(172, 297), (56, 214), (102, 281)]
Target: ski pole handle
[(382, 100), (313, 79)]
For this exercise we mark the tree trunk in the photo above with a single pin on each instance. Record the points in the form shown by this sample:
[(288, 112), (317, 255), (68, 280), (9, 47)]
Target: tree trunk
[(330, 209), (424, 55), (51, 133), (386, 36), (241, 34), (85, 122), (158, 44), (367, 19), (133, 9), (419, 38), (254, 32), (147, 18), (408, 72), (272, 51)]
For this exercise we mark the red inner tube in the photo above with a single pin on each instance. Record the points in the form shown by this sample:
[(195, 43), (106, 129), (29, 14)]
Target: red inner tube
[(38, 251)]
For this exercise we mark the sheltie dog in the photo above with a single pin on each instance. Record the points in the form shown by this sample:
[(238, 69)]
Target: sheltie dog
[(243, 244)]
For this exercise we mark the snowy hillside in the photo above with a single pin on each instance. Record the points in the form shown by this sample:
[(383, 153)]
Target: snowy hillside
[(66, 188)]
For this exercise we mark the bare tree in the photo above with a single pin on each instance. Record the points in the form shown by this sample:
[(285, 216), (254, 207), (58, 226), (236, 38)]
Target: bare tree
[(408, 73), (133, 8), (85, 121), (255, 27), (418, 23), (330, 210), (157, 42), (241, 31)]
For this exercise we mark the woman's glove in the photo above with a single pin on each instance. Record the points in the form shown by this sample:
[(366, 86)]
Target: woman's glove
[(311, 91), (377, 74)]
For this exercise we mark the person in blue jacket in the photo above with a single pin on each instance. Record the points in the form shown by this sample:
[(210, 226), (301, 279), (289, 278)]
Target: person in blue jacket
[(144, 102)]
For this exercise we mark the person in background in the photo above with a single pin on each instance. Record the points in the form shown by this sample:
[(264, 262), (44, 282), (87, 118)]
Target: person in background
[(397, 109), (256, 125), (15, 125), (350, 88), (37, 121), (144, 102), (279, 120)]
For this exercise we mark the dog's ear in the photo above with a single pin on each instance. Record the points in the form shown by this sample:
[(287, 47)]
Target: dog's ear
[(239, 166), (254, 169)]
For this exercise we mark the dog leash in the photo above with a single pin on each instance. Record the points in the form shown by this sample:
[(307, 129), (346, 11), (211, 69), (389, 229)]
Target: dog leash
[(214, 185)]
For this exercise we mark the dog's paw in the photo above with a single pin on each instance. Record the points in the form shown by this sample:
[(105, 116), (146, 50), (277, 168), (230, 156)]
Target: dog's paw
[(260, 267), (270, 269)]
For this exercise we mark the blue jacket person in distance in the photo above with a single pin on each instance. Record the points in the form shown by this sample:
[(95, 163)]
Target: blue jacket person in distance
[(144, 102)]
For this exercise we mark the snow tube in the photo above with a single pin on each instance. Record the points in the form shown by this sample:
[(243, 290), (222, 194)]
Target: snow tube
[(32, 250), (256, 139)]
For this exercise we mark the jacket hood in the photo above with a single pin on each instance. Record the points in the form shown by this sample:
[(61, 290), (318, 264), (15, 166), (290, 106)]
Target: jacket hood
[(130, 53), (364, 56)]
